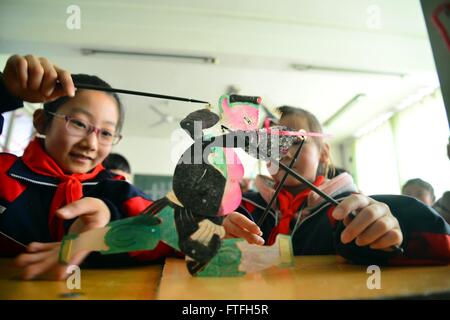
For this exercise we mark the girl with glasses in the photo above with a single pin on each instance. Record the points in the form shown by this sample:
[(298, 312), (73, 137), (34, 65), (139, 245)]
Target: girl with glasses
[(59, 185)]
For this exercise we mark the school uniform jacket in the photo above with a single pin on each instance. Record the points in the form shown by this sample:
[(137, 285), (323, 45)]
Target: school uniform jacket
[(426, 235)]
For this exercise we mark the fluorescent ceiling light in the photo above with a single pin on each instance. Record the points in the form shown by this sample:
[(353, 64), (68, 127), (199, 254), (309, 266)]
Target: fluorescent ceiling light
[(417, 97), (357, 98), (309, 67), (157, 55), (407, 102)]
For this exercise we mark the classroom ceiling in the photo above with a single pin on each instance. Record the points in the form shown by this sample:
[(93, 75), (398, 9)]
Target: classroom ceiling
[(378, 49)]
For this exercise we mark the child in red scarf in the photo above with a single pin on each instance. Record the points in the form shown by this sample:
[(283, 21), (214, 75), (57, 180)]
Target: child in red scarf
[(318, 228), (61, 177)]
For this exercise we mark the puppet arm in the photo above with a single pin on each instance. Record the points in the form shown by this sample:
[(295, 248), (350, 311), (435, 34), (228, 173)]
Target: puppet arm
[(142, 232)]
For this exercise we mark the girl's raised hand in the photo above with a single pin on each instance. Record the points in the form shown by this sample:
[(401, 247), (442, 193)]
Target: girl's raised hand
[(90, 213), (34, 79), (374, 224)]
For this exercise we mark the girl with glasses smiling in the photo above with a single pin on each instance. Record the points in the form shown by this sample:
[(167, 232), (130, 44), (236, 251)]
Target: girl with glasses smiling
[(59, 185)]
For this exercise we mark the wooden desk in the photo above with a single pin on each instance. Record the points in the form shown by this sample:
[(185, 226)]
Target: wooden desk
[(313, 277), (135, 283)]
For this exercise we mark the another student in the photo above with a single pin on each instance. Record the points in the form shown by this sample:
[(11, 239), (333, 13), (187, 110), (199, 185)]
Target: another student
[(419, 189), (118, 164), (60, 177), (442, 205), (319, 228)]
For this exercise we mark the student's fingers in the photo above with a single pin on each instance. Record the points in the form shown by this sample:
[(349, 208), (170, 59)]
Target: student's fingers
[(36, 252), (363, 219), (66, 88), (76, 209), (245, 223), (349, 204), (49, 79), (35, 73), (40, 246), (20, 70), (90, 208), (42, 266), (31, 258), (32, 79), (237, 225), (79, 257), (393, 237), (60, 272), (347, 220), (237, 232), (90, 213), (376, 230)]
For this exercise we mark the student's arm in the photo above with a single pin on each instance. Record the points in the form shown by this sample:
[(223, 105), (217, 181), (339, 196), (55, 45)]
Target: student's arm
[(424, 235), (33, 79)]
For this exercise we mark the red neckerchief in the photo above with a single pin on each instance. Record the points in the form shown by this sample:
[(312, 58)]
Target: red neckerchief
[(69, 190), (288, 205)]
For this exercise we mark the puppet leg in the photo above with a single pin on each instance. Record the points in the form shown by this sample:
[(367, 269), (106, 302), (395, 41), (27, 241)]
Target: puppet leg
[(256, 258), (224, 264), (236, 257)]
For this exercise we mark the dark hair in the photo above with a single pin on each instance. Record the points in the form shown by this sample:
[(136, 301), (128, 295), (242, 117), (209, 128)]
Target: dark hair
[(421, 184), (314, 125), (116, 161), (335, 172), (53, 106)]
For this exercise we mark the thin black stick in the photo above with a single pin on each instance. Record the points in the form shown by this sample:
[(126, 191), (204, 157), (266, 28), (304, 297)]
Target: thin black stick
[(136, 93), (303, 180), (397, 249), (12, 239), (280, 185)]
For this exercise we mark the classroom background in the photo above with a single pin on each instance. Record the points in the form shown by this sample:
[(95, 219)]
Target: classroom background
[(364, 68)]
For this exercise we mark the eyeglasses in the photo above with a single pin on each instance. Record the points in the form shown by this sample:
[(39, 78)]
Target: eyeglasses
[(81, 128)]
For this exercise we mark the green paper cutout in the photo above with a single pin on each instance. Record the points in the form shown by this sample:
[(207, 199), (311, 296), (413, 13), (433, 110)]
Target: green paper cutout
[(169, 233), (226, 262), (142, 232)]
